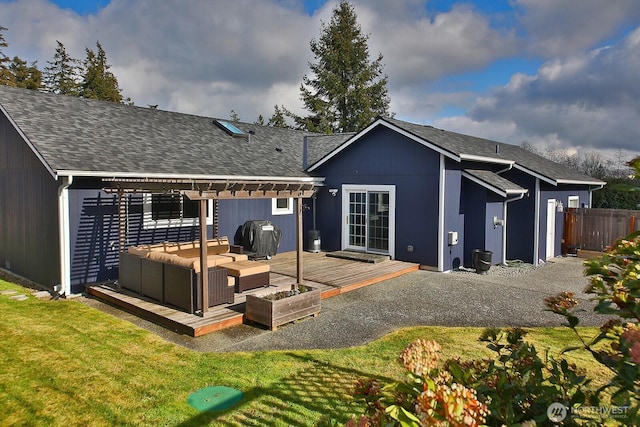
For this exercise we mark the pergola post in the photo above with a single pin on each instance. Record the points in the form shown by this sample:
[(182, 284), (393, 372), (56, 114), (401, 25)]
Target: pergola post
[(299, 254), (204, 269)]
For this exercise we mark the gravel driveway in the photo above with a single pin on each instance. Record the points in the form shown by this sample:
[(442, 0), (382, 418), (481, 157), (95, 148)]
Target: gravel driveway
[(510, 296)]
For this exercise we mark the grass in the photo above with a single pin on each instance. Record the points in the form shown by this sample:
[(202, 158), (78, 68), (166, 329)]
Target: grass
[(64, 363)]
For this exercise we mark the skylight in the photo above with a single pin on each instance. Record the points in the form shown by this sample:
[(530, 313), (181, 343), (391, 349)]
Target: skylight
[(229, 128)]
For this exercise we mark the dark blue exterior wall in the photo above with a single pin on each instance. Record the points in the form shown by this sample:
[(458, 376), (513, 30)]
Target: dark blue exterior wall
[(384, 157), (454, 215), (479, 207), (94, 226), (29, 244), (521, 219), (560, 193)]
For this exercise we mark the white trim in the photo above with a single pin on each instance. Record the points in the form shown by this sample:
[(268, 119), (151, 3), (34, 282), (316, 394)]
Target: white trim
[(550, 235), (536, 223), (138, 175), (441, 191), (575, 181), (29, 144), (483, 159), (63, 235), (150, 224), (391, 126), (571, 199), (275, 210), (391, 189)]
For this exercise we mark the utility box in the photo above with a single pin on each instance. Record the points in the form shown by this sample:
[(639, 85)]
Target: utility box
[(453, 238)]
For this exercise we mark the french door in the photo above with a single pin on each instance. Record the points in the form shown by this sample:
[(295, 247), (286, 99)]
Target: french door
[(369, 213)]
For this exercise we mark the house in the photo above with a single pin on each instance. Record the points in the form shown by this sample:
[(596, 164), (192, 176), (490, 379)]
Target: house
[(80, 180), (430, 196), (78, 175)]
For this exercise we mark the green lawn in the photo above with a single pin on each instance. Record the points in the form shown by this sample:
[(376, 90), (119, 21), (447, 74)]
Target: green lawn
[(64, 363)]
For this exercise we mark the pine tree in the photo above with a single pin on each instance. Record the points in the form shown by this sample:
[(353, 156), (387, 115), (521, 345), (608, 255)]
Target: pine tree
[(61, 74), (6, 77), (25, 76), (346, 90), (279, 118), (98, 82)]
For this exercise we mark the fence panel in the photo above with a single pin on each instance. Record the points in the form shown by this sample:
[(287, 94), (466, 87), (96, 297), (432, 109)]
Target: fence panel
[(595, 229)]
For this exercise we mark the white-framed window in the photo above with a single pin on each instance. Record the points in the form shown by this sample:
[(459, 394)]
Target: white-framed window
[(172, 210), (282, 206), (573, 202)]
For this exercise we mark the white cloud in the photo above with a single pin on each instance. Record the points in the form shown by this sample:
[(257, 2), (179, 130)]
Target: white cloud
[(558, 28)]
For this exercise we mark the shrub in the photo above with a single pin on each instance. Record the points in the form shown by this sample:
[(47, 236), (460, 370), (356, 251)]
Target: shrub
[(615, 284)]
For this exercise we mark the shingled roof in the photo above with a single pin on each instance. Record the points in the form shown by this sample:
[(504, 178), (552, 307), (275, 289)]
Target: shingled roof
[(85, 137), (465, 147)]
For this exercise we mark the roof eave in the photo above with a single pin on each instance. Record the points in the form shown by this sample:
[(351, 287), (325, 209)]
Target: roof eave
[(483, 159), (142, 175), (580, 182)]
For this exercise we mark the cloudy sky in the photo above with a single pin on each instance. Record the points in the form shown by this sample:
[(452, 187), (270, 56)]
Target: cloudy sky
[(559, 74)]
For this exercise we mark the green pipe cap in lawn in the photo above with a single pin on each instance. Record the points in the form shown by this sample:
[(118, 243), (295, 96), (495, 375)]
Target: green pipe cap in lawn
[(216, 398)]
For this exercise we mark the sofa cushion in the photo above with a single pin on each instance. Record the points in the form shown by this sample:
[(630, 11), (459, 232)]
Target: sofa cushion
[(236, 257), (139, 251), (246, 268), (169, 258)]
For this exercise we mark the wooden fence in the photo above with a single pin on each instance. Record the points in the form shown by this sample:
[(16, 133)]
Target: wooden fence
[(595, 229)]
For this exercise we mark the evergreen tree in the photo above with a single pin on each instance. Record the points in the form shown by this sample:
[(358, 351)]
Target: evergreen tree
[(260, 120), (279, 118), (25, 76), (346, 90), (234, 116), (98, 82), (6, 77), (61, 74)]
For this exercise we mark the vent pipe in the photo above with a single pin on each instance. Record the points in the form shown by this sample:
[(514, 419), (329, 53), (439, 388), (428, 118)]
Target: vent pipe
[(497, 148)]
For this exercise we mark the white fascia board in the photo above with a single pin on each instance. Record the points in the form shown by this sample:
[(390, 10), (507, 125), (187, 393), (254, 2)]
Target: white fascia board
[(484, 184), (29, 144), (138, 175), (483, 159), (575, 181), (536, 175), (391, 126)]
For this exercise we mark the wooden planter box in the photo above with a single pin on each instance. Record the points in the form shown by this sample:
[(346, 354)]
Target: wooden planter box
[(273, 313)]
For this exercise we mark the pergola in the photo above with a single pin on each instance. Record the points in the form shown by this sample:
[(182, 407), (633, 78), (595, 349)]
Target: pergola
[(203, 190)]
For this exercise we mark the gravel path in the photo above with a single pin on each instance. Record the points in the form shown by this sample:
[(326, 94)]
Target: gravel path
[(507, 296)]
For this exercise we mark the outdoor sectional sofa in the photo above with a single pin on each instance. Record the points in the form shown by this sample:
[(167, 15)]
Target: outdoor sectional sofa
[(170, 273)]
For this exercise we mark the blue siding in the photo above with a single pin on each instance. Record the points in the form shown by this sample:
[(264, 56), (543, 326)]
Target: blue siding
[(94, 230), (29, 244), (480, 206), (453, 256), (521, 219), (560, 193), (383, 157)]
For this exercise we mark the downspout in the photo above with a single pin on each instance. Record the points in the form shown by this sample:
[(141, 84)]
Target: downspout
[(441, 215), (591, 194), (504, 227), (508, 168), (63, 236), (536, 223)]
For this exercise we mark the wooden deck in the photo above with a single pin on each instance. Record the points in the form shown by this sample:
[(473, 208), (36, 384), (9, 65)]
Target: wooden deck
[(333, 275)]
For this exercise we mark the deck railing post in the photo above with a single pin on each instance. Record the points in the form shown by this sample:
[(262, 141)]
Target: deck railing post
[(204, 269), (299, 272)]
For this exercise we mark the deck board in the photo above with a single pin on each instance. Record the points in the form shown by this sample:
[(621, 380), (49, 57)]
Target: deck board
[(332, 275)]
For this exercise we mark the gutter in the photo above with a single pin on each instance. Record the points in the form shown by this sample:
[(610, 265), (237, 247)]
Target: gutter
[(591, 193), (63, 236)]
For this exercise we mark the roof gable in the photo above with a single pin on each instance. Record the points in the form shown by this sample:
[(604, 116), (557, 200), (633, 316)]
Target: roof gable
[(460, 147)]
